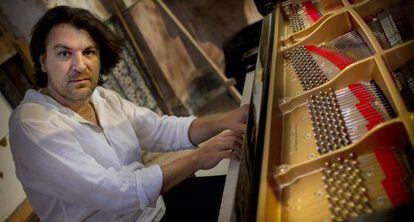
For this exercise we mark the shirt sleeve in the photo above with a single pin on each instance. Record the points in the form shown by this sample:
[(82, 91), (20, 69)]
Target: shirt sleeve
[(49, 160), (158, 133)]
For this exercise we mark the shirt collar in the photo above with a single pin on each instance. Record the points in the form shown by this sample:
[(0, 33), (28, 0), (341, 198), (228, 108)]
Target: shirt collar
[(33, 96)]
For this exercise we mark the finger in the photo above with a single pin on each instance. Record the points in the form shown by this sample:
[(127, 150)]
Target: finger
[(232, 133), (239, 140), (235, 139), (229, 154), (244, 113), (239, 128), (227, 144), (238, 143), (233, 142), (225, 154), (228, 132), (236, 128), (237, 149), (234, 156)]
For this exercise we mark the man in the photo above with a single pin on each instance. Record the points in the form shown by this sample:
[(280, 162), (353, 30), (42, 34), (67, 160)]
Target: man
[(77, 146)]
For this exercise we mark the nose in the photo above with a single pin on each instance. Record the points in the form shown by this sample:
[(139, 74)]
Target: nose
[(78, 62)]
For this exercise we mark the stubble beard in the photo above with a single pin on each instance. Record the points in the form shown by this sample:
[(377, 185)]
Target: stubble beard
[(73, 94)]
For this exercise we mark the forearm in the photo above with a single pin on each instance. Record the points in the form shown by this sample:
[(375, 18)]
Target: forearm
[(204, 128), (178, 170)]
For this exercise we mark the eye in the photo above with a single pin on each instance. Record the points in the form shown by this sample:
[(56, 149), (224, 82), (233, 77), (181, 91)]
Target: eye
[(63, 54), (89, 52)]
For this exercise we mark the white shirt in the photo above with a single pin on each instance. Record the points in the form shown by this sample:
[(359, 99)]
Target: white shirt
[(72, 170)]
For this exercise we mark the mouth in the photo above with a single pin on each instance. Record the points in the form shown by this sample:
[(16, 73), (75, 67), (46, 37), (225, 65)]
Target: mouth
[(80, 80)]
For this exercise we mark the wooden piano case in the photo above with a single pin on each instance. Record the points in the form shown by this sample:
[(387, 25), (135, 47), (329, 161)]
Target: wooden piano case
[(296, 178)]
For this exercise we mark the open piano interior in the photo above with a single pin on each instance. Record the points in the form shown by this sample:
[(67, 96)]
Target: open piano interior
[(331, 128)]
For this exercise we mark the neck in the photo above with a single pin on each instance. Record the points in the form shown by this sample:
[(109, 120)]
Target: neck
[(78, 106), (84, 108)]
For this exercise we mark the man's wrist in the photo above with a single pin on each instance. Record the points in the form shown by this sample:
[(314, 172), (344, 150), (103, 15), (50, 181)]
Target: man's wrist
[(220, 123), (195, 161)]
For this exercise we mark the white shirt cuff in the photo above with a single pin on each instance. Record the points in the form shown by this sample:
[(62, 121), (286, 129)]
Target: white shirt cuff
[(151, 180), (186, 136)]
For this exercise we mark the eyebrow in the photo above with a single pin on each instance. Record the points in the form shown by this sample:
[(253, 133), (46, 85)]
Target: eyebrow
[(67, 47)]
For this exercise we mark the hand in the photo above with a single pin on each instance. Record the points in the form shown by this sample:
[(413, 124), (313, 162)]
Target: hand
[(227, 144), (236, 119), (205, 128)]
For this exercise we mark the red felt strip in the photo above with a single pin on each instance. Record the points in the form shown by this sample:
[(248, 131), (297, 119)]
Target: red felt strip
[(355, 86), (361, 92), (395, 191), (338, 59), (367, 110), (312, 11), (393, 171), (370, 114), (388, 162), (364, 96)]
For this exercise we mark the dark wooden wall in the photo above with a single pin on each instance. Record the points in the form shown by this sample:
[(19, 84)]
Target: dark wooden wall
[(178, 67)]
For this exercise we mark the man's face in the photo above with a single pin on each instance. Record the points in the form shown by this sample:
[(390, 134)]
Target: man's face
[(72, 64)]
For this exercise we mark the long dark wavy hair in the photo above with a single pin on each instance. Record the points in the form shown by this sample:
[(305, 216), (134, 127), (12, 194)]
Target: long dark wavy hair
[(109, 44)]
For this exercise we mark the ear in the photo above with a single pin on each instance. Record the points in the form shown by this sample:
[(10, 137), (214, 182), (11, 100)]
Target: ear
[(42, 60)]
